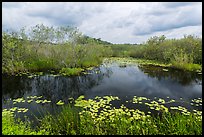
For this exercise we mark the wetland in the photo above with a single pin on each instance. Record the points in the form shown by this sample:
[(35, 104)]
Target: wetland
[(56, 81), (118, 84)]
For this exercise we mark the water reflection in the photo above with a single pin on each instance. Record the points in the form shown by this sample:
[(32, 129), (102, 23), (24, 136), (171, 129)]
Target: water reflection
[(122, 81), (125, 82), (52, 88), (184, 78)]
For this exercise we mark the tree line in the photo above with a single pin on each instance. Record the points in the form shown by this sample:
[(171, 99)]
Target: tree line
[(41, 47)]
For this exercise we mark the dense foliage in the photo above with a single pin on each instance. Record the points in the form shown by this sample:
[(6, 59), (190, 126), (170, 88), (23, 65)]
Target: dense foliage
[(185, 53), (43, 48)]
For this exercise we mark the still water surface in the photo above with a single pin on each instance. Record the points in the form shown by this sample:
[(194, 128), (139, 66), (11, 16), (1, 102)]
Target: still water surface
[(115, 80)]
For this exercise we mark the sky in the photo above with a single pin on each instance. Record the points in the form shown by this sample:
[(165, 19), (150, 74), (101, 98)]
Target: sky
[(115, 22)]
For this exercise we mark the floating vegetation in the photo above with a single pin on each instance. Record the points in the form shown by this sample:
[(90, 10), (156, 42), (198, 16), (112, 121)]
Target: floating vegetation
[(164, 65), (198, 100), (46, 101), (70, 71), (165, 69), (39, 101), (97, 72), (18, 100), (60, 102), (105, 108), (90, 68), (53, 75), (30, 99), (39, 73), (101, 113), (161, 100), (156, 106), (16, 109), (31, 76), (172, 100), (86, 73)]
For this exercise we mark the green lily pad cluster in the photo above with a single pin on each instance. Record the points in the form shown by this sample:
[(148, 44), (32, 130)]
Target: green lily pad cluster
[(92, 72), (14, 109), (197, 102), (29, 74), (165, 69), (139, 99), (183, 110), (60, 102), (100, 108), (99, 112), (29, 99), (133, 61), (7, 112), (156, 106), (70, 71), (198, 114), (22, 73), (96, 103)]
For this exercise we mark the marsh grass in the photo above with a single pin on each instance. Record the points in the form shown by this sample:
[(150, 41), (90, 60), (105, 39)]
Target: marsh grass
[(65, 122), (98, 117), (187, 66), (13, 126)]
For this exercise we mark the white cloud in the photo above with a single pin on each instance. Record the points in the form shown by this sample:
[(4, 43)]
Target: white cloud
[(116, 22)]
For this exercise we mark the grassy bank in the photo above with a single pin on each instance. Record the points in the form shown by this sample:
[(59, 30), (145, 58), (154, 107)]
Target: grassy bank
[(98, 117)]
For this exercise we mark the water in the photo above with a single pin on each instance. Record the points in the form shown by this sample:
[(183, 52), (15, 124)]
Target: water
[(121, 81)]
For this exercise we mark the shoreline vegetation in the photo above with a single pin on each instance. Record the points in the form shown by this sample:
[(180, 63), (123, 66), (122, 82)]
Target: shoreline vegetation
[(68, 51), (98, 117), (130, 60)]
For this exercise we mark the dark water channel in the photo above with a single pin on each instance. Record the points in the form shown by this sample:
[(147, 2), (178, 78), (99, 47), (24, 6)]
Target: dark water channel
[(123, 82)]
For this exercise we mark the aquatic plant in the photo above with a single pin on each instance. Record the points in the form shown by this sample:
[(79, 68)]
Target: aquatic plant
[(12, 126), (70, 71), (60, 102), (98, 116)]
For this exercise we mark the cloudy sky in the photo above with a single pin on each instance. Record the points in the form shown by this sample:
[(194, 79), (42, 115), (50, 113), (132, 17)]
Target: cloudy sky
[(116, 22)]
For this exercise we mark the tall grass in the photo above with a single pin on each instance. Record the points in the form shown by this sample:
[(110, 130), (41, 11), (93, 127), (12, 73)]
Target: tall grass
[(69, 122), (65, 122), (98, 117), (13, 126)]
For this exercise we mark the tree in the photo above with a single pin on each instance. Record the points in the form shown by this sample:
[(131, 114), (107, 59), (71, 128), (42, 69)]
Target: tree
[(156, 40)]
